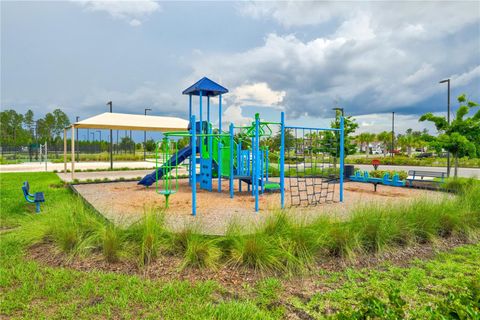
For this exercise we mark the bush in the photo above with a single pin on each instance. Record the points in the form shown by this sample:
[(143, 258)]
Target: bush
[(380, 173), (147, 236), (201, 252), (401, 160), (280, 245), (459, 185)]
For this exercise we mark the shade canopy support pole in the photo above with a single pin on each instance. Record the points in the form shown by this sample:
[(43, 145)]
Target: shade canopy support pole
[(219, 164), (65, 151), (73, 152)]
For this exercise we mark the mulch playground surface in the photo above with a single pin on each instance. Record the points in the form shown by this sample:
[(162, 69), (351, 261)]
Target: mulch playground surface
[(126, 202)]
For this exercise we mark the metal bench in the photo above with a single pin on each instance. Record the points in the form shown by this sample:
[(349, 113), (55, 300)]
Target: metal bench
[(38, 197), (420, 175)]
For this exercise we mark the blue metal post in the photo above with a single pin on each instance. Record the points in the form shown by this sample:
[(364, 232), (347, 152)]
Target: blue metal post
[(266, 164), (249, 171), (191, 126), (282, 160), (240, 165), (231, 160), (257, 158), (219, 144), (208, 109), (262, 156), (201, 125), (252, 172), (210, 139), (342, 151), (194, 167)]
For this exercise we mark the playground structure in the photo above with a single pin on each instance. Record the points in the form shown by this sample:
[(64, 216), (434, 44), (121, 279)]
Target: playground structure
[(245, 154)]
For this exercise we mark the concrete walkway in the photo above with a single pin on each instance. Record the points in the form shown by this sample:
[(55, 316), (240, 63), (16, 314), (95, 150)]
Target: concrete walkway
[(39, 167), (111, 175)]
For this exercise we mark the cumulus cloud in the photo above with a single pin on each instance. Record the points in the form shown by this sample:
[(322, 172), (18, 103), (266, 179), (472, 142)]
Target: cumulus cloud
[(258, 94), (252, 94), (379, 57), (131, 11)]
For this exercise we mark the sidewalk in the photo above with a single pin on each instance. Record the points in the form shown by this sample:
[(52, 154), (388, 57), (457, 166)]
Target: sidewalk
[(40, 167)]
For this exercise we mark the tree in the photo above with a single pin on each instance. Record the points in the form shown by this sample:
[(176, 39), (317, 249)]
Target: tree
[(462, 136), (289, 140), (29, 122), (126, 144), (349, 125), (385, 138), (365, 139), (408, 141), (12, 133), (150, 145), (182, 143)]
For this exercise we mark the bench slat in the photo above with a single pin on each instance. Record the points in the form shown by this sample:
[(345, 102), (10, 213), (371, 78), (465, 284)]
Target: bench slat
[(431, 174)]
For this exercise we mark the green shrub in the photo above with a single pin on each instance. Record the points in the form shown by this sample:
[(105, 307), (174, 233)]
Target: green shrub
[(380, 173), (201, 252), (147, 235), (459, 305), (459, 185), (257, 252), (372, 307)]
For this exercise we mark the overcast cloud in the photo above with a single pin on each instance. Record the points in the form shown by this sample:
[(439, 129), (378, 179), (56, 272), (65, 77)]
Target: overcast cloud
[(371, 58)]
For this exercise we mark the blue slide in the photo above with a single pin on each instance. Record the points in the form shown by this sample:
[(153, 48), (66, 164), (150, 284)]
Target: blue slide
[(175, 160)]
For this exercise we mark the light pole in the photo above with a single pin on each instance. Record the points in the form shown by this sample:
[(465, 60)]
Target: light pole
[(145, 139), (339, 109), (393, 133), (448, 120), (109, 103)]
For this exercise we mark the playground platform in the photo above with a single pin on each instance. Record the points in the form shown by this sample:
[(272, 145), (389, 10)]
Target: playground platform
[(126, 203)]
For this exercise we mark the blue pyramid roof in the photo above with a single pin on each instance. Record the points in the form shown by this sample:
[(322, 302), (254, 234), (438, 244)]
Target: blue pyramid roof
[(207, 86)]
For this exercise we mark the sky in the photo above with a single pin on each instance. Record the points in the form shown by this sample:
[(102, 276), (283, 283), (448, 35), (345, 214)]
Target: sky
[(371, 58)]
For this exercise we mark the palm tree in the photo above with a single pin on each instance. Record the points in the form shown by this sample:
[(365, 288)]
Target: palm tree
[(385, 138)]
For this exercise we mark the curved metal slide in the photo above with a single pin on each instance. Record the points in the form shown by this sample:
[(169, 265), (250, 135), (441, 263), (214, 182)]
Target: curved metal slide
[(175, 160)]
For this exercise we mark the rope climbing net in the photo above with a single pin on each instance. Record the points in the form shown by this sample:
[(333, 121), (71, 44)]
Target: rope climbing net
[(311, 165)]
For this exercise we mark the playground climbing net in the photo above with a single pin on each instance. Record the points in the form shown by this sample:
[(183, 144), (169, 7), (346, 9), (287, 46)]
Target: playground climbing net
[(311, 165)]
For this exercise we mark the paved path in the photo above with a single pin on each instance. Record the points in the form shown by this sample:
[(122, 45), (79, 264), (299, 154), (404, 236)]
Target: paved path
[(38, 167), (111, 175), (462, 172)]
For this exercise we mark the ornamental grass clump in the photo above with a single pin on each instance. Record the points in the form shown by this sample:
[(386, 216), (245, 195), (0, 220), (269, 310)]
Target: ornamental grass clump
[(201, 252), (147, 236)]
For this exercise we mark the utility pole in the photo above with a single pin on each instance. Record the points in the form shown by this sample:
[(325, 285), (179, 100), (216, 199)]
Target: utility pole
[(448, 120), (145, 139), (111, 138), (393, 132)]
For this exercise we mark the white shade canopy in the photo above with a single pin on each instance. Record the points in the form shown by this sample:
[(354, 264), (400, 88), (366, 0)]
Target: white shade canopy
[(124, 121)]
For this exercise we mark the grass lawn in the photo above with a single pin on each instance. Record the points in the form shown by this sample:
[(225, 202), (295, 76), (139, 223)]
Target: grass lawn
[(448, 284)]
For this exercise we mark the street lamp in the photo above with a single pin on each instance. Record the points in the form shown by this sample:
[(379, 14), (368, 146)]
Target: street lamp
[(448, 120), (339, 109), (109, 103), (145, 139)]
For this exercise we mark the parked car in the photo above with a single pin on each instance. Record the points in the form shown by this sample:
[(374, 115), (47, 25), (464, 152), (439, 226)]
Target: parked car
[(424, 155)]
